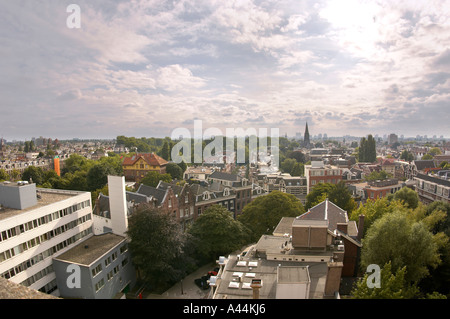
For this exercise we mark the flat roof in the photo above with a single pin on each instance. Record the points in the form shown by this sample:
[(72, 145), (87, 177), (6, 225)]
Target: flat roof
[(267, 271), (91, 249), (293, 274), (47, 197)]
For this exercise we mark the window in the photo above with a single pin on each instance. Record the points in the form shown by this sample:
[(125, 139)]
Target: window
[(124, 248), (99, 285), (96, 270), (107, 261)]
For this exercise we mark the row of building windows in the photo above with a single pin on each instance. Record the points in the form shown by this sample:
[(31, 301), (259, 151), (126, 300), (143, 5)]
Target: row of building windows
[(49, 288), (333, 172), (40, 274), (17, 230), (101, 283), (108, 260), (7, 254), (47, 253)]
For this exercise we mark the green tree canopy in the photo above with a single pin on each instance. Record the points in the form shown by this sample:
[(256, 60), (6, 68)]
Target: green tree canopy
[(392, 286), (396, 238), (174, 170), (152, 178), (217, 233), (4, 176), (156, 246), (408, 196), (264, 213), (36, 174)]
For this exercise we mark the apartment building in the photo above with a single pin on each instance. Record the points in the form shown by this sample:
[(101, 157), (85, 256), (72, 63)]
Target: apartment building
[(432, 188), (37, 225), (318, 172)]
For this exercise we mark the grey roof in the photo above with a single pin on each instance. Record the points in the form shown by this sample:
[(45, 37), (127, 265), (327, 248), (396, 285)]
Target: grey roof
[(91, 249), (433, 179), (224, 176), (149, 191), (177, 189), (422, 164), (326, 210)]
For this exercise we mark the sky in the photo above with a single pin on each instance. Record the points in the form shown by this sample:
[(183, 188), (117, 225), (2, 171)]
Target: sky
[(144, 68)]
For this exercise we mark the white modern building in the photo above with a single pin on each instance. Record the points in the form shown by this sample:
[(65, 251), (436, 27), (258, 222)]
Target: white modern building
[(35, 226)]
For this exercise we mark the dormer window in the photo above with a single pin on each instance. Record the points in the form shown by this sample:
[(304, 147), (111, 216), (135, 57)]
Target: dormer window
[(226, 192), (206, 196)]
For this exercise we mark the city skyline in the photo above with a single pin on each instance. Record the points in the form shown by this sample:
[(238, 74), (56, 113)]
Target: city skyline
[(145, 68)]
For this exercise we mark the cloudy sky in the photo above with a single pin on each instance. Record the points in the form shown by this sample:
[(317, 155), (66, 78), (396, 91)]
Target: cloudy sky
[(145, 67)]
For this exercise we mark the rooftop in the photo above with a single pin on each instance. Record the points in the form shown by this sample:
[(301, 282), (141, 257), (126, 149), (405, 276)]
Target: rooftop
[(91, 249), (267, 270), (11, 290), (46, 197)]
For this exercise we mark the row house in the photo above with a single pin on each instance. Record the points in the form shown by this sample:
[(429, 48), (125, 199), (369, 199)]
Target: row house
[(284, 182), (432, 188)]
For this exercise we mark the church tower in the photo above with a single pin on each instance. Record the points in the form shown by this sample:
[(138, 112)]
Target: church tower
[(306, 141)]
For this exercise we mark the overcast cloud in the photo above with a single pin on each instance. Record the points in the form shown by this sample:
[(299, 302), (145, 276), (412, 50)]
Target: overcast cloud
[(145, 67)]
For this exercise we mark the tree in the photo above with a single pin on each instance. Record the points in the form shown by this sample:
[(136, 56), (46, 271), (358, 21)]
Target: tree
[(217, 233), (165, 152), (435, 151), (341, 196), (36, 174), (408, 196), (97, 176), (407, 156), (372, 210), (156, 246), (317, 194), (427, 157), (298, 170), (174, 170), (397, 239), (287, 165), (392, 286), (4, 176), (381, 175), (264, 213), (367, 150), (152, 178)]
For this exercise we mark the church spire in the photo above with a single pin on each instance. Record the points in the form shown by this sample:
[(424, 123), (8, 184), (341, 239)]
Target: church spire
[(306, 140)]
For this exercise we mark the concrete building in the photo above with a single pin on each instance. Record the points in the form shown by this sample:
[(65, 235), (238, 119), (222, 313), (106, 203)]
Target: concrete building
[(104, 268), (36, 225)]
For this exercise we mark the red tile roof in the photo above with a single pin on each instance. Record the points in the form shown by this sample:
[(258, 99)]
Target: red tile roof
[(150, 158)]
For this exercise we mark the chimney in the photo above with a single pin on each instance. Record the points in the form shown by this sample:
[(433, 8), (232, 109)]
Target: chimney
[(360, 227), (333, 281), (256, 284), (118, 204), (342, 227)]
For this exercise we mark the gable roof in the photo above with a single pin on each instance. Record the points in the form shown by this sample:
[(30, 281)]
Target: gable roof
[(224, 176), (150, 158), (158, 194), (423, 164), (328, 211)]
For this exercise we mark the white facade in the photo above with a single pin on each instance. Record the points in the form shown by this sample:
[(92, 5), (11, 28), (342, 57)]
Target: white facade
[(30, 237)]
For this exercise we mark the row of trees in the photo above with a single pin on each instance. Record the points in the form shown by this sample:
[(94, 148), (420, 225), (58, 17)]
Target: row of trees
[(367, 150)]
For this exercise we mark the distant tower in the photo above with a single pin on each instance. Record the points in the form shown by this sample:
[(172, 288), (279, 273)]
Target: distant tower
[(306, 141)]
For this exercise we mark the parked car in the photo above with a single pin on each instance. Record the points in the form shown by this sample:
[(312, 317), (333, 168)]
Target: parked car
[(202, 282)]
